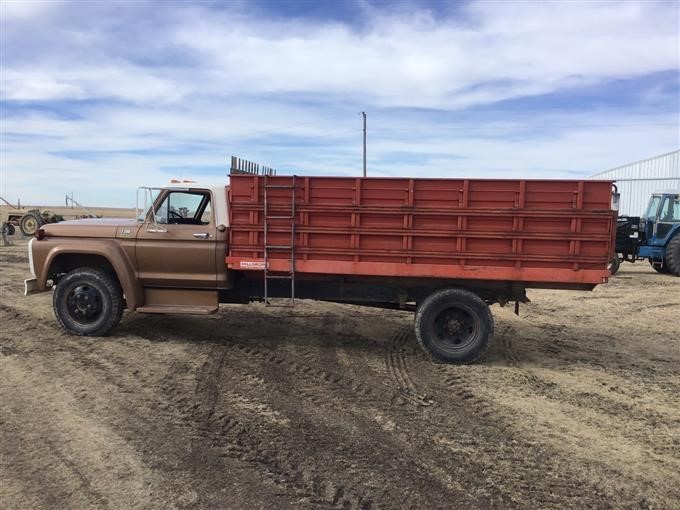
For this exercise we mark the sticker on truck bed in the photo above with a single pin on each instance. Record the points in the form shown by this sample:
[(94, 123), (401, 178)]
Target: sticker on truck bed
[(252, 264)]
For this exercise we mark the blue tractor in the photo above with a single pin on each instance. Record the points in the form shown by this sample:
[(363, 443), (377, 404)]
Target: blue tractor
[(655, 236)]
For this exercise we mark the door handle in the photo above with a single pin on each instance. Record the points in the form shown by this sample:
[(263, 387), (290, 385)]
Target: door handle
[(202, 235)]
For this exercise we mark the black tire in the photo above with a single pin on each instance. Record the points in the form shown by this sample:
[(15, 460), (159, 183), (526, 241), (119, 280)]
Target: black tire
[(614, 265), (673, 255), (88, 302), (29, 223), (453, 325), (8, 229), (663, 269)]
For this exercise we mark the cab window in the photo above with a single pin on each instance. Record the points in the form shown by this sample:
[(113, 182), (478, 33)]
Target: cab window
[(184, 208), (670, 210)]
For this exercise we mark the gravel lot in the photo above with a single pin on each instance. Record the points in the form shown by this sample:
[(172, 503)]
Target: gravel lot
[(576, 404)]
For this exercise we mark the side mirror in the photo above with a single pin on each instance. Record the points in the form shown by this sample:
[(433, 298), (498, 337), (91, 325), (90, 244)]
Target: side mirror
[(147, 211)]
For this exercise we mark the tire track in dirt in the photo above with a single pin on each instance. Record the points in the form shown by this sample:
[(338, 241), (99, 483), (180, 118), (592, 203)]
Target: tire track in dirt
[(309, 378), (261, 456), (399, 369), (475, 410), (531, 383), (226, 434), (534, 380), (281, 466), (263, 355), (236, 439)]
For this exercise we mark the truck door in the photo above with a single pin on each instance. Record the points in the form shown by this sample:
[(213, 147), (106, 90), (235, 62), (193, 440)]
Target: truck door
[(669, 217), (176, 245)]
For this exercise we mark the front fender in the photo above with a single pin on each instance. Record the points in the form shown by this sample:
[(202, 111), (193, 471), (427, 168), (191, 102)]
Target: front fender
[(46, 251)]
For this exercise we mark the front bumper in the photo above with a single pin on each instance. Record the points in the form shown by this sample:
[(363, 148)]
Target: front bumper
[(31, 286)]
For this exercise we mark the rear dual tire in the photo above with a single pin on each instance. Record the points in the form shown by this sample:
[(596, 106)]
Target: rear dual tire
[(88, 302), (453, 326)]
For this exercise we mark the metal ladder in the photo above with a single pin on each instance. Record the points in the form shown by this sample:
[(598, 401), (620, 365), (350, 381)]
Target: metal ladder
[(279, 247)]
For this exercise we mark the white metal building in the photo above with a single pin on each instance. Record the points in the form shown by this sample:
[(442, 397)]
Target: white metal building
[(637, 181)]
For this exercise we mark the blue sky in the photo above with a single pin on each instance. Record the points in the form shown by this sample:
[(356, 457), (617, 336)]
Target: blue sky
[(101, 97)]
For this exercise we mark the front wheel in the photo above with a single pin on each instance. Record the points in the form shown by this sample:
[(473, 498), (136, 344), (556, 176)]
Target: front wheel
[(658, 267), (673, 255), (614, 265), (8, 229), (453, 325), (88, 302)]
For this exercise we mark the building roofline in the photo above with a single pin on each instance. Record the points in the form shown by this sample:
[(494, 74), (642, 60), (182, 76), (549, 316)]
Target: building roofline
[(637, 162)]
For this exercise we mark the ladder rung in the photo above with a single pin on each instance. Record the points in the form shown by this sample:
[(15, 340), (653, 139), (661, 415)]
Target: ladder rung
[(280, 217), (278, 247), (279, 276), (278, 186)]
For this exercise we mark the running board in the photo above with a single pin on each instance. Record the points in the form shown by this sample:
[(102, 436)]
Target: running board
[(194, 302), (185, 310)]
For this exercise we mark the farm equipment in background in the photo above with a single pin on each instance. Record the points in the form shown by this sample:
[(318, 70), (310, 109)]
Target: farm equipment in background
[(27, 220), (655, 236), (70, 201)]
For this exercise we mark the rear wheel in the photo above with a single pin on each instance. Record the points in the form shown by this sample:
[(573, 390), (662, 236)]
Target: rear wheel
[(29, 223), (88, 302), (673, 255), (453, 325), (614, 265)]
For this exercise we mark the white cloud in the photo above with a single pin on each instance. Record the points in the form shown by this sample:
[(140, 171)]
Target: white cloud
[(103, 97), (398, 60)]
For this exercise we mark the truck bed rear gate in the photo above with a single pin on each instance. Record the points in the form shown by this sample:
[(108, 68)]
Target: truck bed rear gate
[(290, 275)]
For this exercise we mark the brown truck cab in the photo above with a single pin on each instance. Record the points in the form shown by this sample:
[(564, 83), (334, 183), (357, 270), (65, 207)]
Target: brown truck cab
[(444, 248)]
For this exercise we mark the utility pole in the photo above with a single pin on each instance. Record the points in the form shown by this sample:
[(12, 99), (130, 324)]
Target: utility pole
[(364, 116)]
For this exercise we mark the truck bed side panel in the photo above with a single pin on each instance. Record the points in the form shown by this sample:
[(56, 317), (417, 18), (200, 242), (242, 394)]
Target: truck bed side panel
[(523, 230)]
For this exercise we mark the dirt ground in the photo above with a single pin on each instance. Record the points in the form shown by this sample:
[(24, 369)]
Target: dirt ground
[(576, 404)]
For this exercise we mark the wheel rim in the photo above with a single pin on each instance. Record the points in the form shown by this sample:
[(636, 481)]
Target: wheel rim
[(84, 304), (30, 225), (455, 329)]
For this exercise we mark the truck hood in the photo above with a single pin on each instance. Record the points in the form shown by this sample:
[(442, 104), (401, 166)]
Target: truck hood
[(93, 227)]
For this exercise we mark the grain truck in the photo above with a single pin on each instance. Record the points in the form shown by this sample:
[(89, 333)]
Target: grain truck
[(445, 249)]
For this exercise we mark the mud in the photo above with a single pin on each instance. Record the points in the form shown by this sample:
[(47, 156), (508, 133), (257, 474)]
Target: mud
[(576, 404)]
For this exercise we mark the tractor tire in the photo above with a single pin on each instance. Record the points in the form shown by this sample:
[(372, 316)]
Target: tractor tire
[(614, 265), (88, 302), (673, 256), (8, 229), (29, 223), (453, 326), (659, 269)]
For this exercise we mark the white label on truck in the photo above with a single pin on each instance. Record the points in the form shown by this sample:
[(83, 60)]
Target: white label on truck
[(252, 264)]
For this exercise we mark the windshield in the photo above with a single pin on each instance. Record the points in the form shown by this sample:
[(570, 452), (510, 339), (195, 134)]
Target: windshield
[(652, 207)]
